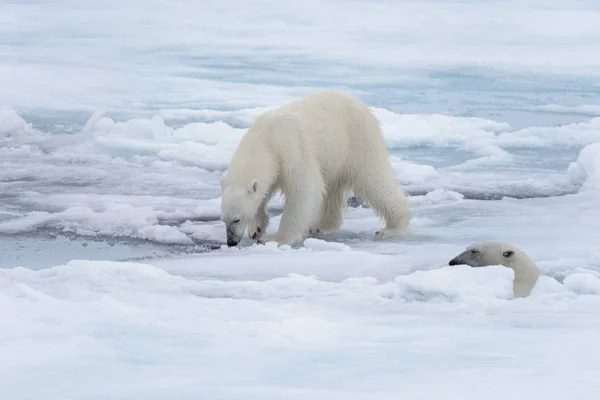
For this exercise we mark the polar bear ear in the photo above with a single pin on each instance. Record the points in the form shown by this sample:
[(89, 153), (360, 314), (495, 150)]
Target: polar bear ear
[(253, 187)]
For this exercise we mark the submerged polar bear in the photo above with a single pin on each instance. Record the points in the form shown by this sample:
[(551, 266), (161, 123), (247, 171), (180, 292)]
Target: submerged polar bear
[(494, 252), (314, 150)]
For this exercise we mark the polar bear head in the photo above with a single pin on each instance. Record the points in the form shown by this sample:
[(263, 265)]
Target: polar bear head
[(488, 253), (495, 252), (238, 207)]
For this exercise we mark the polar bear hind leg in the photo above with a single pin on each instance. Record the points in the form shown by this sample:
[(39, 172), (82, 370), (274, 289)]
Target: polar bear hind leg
[(377, 186), (388, 201)]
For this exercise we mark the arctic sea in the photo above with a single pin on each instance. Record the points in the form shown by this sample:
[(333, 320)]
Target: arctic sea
[(117, 119)]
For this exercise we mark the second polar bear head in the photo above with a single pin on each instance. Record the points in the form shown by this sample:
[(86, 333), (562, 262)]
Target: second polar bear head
[(492, 252), (495, 252), (238, 208)]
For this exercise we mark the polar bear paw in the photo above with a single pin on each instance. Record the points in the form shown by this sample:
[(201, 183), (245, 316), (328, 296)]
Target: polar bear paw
[(258, 225), (266, 238), (320, 232), (256, 233), (288, 240), (324, 230), (387, 233)]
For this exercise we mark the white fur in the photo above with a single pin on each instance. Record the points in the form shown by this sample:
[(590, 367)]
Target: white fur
[(495, 252), (314, 150)]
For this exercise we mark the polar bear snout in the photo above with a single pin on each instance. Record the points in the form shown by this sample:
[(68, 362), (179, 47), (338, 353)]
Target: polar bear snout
[(455, 261), (472, 257), (233, 235), (232, 238), (460, 260)]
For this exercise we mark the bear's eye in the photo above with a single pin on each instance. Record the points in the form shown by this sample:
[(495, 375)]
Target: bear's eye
[(258, 229), (474, 251), (235, 221), (508, 253)]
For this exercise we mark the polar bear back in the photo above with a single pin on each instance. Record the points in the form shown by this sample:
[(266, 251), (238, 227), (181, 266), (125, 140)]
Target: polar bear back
[(335, 128)]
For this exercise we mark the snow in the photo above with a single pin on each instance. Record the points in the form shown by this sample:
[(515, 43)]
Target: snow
[(117, 120), (586, 170), (12, 122), (152, 333)]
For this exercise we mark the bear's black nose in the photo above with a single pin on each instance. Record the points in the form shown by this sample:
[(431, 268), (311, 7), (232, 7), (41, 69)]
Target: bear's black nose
[(231, 243), (454, 261)]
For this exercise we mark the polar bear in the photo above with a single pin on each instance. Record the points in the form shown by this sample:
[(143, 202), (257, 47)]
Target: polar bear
[(494, 252), (314, 150)]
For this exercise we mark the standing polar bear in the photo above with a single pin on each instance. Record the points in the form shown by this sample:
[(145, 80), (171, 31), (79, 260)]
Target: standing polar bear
[(314, 150)]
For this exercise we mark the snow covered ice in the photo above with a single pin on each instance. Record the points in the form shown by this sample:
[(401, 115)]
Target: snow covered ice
[(118, 118)]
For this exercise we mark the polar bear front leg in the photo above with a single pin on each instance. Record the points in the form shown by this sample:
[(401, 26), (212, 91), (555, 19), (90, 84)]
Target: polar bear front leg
[(258, 226), (303, 202)]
